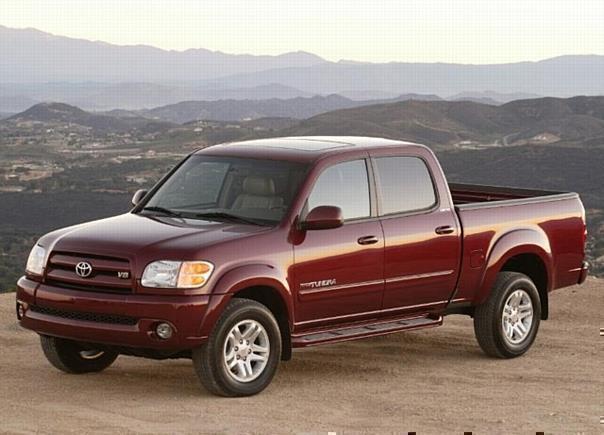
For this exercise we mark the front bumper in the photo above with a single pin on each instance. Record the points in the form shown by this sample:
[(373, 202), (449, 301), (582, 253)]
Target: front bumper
[(99, 317)]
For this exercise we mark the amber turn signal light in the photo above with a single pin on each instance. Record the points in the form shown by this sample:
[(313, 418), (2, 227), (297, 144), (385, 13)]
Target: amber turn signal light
[(194, 274)]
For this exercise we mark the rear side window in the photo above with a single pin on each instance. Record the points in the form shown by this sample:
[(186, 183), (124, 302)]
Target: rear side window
[(404, 184), (344, 185)]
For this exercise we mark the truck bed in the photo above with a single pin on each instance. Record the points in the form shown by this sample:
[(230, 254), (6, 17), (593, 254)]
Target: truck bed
[(466, 196), (552, 219)]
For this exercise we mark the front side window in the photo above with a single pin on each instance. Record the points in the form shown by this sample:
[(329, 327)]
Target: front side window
[(229, 187), (404, 185), (344, 185)]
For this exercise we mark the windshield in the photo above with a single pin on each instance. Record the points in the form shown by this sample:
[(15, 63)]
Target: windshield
[(229, 188)]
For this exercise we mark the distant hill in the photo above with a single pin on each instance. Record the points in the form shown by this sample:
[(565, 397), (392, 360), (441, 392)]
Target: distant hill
[(562, 76), (260, 92), (22, 51), (60, 113), (240, 110), (259, 126), (368, 94), (272, 114), (481, 100), (577, 120), (274, 123), (491, 97), (130, 96), (463, 124), (235, 110)]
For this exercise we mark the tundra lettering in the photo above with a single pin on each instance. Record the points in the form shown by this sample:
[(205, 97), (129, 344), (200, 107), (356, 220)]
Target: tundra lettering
[(219, 261), (317, 284)]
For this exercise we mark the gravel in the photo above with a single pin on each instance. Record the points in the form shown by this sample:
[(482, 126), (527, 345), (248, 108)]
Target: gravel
[(432, 381)]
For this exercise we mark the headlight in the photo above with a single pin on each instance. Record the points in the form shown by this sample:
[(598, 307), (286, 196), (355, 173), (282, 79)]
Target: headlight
[(177, 274), (35, 261)]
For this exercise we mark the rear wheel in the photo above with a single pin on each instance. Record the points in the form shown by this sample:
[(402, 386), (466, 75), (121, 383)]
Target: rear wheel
[(243, 351), (72, 357), (507, 323)]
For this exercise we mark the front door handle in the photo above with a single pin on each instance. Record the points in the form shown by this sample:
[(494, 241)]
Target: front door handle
[(445, 229), (367, 240)]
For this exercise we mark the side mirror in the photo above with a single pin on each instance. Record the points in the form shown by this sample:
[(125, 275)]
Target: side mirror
[(323, 217), (138, 195)]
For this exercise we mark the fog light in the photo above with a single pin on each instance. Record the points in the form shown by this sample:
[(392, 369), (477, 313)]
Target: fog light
[(163, 331), (20, 311)]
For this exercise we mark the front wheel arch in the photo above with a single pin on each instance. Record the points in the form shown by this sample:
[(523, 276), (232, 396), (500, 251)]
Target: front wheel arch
[(272, 299), (210, 359), (259, 282)]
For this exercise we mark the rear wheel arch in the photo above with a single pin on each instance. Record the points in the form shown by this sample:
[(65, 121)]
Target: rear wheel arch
[(526, 251), (506, 324), (532, 265)]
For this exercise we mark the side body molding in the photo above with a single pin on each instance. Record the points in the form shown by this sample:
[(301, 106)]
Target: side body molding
[(529, 240), (235, 280)]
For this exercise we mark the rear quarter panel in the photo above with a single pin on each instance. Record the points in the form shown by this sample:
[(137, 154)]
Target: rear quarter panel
[(551, 228)]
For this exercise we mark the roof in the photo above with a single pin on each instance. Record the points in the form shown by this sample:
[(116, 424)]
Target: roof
[(301, 147)]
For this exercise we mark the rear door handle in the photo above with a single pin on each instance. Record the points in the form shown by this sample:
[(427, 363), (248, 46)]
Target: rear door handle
[(445, 229), (367, 240)]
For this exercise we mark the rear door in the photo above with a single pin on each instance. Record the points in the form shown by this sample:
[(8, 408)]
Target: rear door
[(422, 237), (339, 272)]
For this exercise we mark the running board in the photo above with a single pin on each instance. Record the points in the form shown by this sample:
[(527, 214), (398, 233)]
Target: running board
[(364, 330)]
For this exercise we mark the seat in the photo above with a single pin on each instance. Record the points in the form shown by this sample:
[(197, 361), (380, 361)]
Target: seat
[(259, 193)]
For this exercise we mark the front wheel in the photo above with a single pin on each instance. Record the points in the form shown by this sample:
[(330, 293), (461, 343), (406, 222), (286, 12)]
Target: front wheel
[(243, 351), (507, 323), (71, 357)]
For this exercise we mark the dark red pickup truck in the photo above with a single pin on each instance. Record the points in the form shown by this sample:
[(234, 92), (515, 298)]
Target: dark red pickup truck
[(247, 250)]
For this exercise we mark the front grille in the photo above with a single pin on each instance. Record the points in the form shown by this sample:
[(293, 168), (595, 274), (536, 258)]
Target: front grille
[(115, 319), (105, 276), (85, 288)]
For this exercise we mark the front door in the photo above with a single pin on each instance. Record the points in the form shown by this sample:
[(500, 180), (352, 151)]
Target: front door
[(338, 273)]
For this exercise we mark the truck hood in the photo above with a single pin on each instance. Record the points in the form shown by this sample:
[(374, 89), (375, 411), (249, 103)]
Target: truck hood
[(130, 234)]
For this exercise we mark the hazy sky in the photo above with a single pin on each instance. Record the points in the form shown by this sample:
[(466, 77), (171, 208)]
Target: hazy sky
[(461, 31)]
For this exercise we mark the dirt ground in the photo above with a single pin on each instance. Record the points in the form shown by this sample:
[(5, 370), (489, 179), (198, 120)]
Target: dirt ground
[(432, 381)]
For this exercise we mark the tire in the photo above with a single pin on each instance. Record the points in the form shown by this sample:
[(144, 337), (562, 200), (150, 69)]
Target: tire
[(70, 357), (210, 360), (509, 334)]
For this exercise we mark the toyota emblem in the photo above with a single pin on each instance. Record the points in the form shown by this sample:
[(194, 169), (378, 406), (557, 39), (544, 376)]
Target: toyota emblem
[(83, 269)]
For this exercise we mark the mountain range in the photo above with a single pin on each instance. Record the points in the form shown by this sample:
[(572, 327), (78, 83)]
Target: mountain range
[(32, 56), (36, 66), (561, 77), (440, 124)]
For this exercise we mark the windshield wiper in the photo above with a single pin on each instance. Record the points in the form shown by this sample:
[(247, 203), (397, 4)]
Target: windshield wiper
[(162, 210), (227, 216)]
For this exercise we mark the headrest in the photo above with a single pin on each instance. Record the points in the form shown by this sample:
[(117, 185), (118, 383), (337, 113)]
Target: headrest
[(260, 186)]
